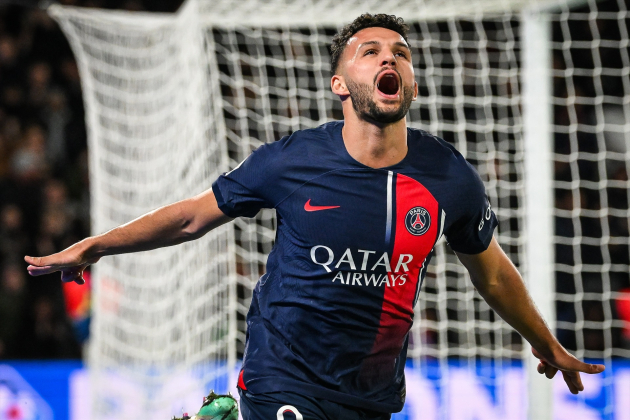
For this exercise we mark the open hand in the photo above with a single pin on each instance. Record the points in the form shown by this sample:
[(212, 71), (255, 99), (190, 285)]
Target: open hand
[(71, 262), (569, 366)]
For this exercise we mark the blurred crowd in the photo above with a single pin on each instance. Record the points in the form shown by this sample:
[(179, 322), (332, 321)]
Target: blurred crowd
[(44, 200), (44, 191)]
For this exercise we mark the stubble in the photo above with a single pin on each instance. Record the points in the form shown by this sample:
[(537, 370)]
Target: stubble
[(366, 107)]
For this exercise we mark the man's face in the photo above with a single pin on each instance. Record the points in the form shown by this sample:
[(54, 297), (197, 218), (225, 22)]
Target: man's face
[(377, 71)]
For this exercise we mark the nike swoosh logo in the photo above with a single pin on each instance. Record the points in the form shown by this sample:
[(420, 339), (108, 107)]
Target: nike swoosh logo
[(308, 207)]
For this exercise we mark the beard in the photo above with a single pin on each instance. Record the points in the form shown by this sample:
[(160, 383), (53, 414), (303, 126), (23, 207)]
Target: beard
[(363, 104)]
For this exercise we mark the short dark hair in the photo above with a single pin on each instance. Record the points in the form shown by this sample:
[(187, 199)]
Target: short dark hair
[(364, 21)]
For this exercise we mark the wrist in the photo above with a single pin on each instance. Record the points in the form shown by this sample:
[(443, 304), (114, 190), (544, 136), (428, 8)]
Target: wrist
[(89, 248), (550, 349)]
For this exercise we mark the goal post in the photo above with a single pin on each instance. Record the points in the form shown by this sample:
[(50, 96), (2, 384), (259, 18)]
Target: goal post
[(538, 144), (173, 100)]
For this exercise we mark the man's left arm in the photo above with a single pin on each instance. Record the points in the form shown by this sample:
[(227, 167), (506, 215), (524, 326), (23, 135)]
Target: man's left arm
[(501, 285)]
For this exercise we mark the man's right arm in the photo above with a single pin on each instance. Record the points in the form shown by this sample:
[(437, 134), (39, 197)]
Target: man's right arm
[(180, 222)]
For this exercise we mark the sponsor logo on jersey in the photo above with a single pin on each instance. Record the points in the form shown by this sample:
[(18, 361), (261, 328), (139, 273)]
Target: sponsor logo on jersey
[(487, 215), (418, 221), (358, 268), (309, 207)]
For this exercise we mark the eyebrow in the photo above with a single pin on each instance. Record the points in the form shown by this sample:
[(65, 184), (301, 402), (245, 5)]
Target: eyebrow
[(398, 43)]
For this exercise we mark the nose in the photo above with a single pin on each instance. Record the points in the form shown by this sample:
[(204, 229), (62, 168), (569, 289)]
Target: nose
[(389, 59)]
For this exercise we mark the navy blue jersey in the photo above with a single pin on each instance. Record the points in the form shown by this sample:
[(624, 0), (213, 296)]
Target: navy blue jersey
[(331, 316)]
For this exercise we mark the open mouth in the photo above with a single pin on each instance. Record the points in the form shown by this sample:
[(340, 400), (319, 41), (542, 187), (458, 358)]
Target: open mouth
[(388, 84)]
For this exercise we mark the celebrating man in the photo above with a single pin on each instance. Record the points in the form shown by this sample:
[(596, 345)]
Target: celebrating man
[(360, 204)]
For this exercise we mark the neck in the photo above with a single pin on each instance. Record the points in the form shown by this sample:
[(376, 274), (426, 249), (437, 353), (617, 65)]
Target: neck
[(372, 144)]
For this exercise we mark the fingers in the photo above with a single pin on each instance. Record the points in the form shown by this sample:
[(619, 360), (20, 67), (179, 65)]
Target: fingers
[(40, 271), (69, 262), (573, 381), (42, 265), (37, 261), (570, 368), (75, 275), (566, 363), (546, 369)]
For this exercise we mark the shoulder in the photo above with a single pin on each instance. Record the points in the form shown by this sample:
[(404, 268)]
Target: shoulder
[(426, 143), (301, 148), (432, 151), (303, 139)]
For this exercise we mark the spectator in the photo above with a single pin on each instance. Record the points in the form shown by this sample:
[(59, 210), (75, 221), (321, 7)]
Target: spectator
[(12, 307), (9, 60), (13, 241), (39, 84), (29, 161), (56, 115)]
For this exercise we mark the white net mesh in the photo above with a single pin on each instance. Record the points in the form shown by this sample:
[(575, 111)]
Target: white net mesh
[(174, 100), (591, 98), (152, 141)]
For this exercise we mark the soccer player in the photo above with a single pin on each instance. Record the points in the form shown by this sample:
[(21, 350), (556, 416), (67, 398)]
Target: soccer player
[(360, 204)]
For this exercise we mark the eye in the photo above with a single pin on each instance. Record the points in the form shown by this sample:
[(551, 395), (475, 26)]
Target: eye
[(368, 52), (401, 54)]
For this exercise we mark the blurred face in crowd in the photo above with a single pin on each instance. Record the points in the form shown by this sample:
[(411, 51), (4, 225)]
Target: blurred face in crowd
[(34, 139), (56, 100), (56, 193), (54, 223), (8, 50), (39, 75), (13, 280), (11, 218)]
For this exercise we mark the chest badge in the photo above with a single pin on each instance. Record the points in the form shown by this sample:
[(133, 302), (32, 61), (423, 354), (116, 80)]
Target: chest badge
[(418, 221)]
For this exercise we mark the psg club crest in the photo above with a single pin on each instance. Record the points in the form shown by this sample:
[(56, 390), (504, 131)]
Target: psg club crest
[(418, 221)]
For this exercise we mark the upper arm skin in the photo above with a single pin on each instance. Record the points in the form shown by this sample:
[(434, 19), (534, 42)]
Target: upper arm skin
[(202, 214)]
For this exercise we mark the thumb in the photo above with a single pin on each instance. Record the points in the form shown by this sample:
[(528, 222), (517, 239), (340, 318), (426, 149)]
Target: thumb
[(591, 368), (36, 261)]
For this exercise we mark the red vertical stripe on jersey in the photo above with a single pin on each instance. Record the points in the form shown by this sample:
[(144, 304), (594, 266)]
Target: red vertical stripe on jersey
[(397, 309)]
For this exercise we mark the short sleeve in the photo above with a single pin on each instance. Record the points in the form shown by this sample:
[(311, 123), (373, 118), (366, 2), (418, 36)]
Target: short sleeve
[(245, 190), (472, 232)]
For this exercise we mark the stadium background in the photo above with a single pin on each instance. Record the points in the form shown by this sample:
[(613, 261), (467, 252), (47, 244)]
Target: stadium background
[(44, 204)]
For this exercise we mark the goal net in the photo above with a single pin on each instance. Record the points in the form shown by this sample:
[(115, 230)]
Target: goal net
[(174, 100), (161, 326)]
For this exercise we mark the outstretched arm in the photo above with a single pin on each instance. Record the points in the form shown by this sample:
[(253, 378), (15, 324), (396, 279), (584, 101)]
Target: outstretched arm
[(169, 225), (500, 284)]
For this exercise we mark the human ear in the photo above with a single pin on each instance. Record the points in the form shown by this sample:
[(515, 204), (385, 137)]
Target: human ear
[(415, 90), (338, 85)]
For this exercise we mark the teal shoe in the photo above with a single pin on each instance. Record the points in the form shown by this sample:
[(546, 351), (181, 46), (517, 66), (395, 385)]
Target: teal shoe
[(215, 407), (218, 407)]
